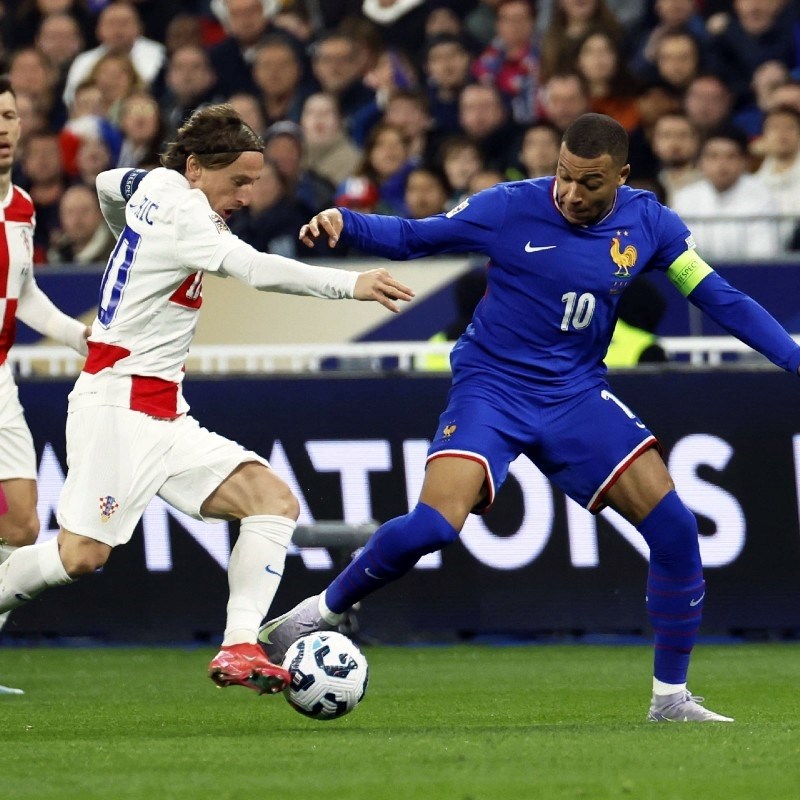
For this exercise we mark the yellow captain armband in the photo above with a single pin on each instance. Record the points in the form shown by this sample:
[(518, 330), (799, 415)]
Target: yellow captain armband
[(686, 271)]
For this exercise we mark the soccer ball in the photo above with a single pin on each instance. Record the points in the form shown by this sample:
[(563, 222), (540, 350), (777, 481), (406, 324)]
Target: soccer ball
[(329, 675)]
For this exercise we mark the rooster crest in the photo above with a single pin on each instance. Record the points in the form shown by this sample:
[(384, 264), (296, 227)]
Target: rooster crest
[(624, 259)]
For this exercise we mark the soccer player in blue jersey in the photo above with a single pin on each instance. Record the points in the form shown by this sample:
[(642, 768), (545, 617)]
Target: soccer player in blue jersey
[(529, 378)]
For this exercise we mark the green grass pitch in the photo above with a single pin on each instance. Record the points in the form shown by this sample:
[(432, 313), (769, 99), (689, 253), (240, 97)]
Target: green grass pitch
[(456, 723)]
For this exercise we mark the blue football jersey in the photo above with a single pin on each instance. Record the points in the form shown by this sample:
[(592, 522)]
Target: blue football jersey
[(553, 287)]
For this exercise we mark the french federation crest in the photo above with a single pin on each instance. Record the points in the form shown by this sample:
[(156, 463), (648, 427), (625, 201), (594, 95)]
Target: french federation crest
[(623, 258), (449, 430)]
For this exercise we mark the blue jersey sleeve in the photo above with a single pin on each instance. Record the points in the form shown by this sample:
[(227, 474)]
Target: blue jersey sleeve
[(473, 226), (745, 319), (674, 238)]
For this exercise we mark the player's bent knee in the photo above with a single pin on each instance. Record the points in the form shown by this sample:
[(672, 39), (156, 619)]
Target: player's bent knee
[(81, 556)]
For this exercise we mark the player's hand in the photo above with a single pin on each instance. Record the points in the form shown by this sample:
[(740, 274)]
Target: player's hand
[(378, 284), (329, 221)]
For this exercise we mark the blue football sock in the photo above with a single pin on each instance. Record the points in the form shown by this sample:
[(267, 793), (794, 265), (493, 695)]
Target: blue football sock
[(675, 586), (391, 552)]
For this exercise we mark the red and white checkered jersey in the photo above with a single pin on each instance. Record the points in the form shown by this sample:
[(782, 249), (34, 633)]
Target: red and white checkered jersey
[(151, 290), (17, 221)]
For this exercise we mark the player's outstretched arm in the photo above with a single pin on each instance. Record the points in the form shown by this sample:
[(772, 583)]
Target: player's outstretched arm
[(379, 285), (327, 222)]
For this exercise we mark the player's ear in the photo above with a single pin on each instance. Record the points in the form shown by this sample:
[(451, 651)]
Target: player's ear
[(624, 173), (193, 168)]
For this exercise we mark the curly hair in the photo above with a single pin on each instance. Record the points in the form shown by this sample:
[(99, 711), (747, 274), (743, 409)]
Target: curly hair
[(215, 135)]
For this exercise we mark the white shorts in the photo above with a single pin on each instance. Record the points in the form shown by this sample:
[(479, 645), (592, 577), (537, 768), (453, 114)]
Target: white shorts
[(118, 459), (17, 456)]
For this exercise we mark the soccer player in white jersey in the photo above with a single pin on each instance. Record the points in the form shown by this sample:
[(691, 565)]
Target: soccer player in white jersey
[(128, 434), (20, 298)]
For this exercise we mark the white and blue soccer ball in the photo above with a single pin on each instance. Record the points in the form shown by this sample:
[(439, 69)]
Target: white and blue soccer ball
[(329, 675)]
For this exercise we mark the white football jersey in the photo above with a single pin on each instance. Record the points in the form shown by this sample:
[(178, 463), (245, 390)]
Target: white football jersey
[(151, 290), (17, 220)]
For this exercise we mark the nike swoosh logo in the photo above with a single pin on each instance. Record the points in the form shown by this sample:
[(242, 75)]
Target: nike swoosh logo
[(271, 571), (22, 597), (698, 601), (371, 574), (529, 248)]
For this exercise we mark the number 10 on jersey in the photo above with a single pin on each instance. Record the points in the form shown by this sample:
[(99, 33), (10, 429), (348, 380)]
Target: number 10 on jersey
[(115, 278)]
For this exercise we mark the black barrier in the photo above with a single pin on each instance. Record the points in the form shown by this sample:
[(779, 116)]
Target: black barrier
[(536, 563)]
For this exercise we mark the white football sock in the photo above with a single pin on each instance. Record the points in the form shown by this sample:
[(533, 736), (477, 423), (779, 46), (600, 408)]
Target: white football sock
[(331, 617), (5, 552), (254, 573), (28, 571), (661, 688)]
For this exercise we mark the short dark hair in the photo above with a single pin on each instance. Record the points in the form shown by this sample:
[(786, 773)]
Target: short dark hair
[(594, 135), (730, 133), (5, 85), (215, 135)]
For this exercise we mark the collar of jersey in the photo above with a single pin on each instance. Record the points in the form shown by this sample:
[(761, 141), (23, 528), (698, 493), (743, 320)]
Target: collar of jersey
[(558, 207)]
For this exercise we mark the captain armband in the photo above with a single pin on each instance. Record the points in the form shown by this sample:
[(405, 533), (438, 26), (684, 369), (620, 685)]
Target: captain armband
[(686, 271)]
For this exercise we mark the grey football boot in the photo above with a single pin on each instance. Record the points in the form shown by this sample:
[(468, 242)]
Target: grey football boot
[(681, 707), (275, 635)]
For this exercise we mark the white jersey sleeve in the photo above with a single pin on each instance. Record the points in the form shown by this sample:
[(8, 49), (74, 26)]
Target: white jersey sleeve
[(114, 188), (202, 239), (273, 273)]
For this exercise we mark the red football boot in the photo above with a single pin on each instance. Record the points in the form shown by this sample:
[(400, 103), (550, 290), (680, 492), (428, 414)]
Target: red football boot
[(247, 665)]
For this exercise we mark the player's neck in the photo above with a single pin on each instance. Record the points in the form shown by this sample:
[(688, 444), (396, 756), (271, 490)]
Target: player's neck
[(5, 183)]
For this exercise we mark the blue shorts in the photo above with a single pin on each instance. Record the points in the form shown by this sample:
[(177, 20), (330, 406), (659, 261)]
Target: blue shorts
[(582, 442)]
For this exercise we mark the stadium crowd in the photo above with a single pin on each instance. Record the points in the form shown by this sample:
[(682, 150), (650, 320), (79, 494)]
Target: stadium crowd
[(408, 106)]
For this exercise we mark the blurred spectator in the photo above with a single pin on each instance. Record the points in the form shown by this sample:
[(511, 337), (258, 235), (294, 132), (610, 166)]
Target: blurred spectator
[(565, 96), (31, 118), (249, 109), (767, 78), (408, 110), (676, 145), (283, 144), (94, 156), (386, 164), (142, 130), (31, 73), (447, 67), (44, 180), (392, 71), (183, 30), (83, 236), (709, 102), (460, 158), (116, 77), (278, 76), (511, 62), (780, 170), (612, 89), (427, 192), (484, 179), (655, 99), (538, 155), (295, 20), (338, 70), (86, 121), (571, 19), (787, 94), (485, 118), (445, 21), (246, 22), (480, 21), (731, 214), (359, 194), (757, 31), (677, 58), (189, 83), (401, 22), (22, 20), (328, 150), (119, 31), (272, 220), (670, 15), (60, 39)]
